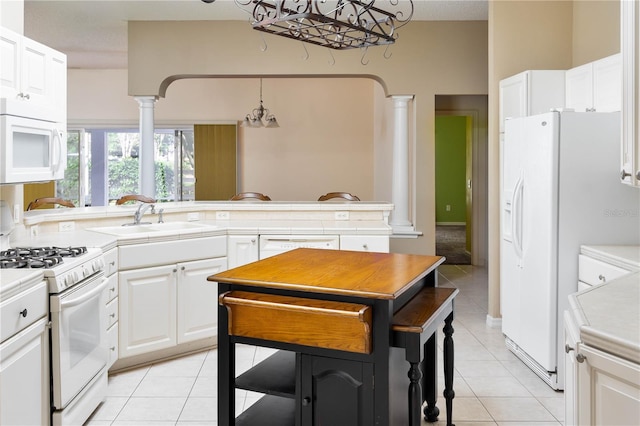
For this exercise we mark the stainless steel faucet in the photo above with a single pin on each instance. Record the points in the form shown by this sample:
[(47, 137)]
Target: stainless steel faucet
[(137, 216)]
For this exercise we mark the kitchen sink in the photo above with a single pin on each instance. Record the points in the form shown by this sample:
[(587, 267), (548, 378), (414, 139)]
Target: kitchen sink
[(154, 228)]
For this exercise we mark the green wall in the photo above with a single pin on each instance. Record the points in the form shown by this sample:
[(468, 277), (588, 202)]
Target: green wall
[(451, 137)]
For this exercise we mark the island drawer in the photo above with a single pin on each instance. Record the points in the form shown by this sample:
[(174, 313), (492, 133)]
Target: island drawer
[(309, 322), (593, 272)]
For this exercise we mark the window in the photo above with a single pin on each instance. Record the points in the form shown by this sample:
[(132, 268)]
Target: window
[(103, 165)]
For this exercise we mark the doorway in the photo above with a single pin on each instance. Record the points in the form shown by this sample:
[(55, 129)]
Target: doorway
[(461, 178)]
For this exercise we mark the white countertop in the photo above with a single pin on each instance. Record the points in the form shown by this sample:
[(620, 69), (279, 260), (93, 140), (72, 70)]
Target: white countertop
[(15, 281), (608, 316), (626, 257)]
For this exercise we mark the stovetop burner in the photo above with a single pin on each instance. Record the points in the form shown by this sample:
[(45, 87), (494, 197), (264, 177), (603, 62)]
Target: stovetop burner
[(37, 257)]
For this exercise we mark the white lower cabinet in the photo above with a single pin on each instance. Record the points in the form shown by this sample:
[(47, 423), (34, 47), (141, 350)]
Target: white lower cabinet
[(608, 390), (242, 249), (24, 376), (166, 305), (197, 304), (374, 243)]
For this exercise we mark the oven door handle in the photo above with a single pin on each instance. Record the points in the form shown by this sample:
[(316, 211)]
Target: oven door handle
[(67, 303)]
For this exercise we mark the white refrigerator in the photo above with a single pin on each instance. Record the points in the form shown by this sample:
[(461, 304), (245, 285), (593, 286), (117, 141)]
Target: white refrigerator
[(559, 189)]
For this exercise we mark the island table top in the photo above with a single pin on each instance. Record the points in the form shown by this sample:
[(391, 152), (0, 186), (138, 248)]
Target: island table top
[(338, 272)]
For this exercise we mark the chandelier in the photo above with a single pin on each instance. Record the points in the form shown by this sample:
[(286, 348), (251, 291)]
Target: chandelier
[(339, 24), (255, 119)]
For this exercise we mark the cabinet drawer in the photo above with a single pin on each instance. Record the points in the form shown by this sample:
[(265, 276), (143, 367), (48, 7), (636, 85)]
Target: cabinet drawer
[(111, 262), (592, 271), (112, 287), (23, 310), (309, 322), (112, 312), (374, 243), (112, 339)]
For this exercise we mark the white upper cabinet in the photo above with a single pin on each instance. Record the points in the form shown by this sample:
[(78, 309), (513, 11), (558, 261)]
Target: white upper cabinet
[(596, 86), (34, 73), (630, 49), (531, 92)]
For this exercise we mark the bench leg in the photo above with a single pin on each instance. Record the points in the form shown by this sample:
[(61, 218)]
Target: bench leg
[(415, 394), (430, 381), (447, 350)]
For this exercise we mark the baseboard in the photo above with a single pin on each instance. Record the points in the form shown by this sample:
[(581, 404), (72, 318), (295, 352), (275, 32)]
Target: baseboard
[(492, 322)]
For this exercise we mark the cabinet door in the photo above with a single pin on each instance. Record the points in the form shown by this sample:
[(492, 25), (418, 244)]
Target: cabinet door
[(242, 249), (35, 72), (607, 84), (579, 88), (513, 97), (147, 319), (336, 392), (197, 304), (608, 389), (10, 46), (571, 338), (24, 377), (630, 50)]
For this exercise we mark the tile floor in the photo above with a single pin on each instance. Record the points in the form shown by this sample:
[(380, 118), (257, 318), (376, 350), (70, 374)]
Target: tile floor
[(492, 386)]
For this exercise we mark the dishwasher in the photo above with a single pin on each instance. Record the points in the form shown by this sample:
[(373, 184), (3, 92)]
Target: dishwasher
[(270, 245)]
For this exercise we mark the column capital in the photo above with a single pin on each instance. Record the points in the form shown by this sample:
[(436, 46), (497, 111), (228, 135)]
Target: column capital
[(404, 99), (145, 100)]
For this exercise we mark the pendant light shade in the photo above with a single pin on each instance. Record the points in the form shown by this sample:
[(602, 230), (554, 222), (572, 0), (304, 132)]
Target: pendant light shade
[(255, 119)]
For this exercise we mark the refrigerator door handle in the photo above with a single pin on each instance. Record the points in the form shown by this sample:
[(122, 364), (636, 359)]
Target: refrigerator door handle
[(516, 219)]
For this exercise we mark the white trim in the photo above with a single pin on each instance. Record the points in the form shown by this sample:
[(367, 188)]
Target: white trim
[(492, 322)]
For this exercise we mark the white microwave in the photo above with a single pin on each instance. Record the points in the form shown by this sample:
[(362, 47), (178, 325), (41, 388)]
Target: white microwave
[(34, 148)]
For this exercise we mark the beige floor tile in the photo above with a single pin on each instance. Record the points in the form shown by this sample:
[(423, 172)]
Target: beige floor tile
[(468, 368), (516, 409), (189, 365), (124, 384), (464, 410), (200, 409), (109, 409), (205, 386), (555, 407), (152, 409), (497, 386), (165, 386)]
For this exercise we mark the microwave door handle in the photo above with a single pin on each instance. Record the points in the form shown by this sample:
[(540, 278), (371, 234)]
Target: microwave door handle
[(56, 150), (79, 300)]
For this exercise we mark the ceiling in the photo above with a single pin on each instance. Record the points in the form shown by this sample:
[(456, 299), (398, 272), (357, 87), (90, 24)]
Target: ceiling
[(93, 33)]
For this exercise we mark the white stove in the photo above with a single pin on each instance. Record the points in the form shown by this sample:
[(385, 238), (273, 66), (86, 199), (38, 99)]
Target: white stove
[(63, 267)]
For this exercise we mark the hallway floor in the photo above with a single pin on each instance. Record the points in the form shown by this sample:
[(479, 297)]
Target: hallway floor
[(492, 387)]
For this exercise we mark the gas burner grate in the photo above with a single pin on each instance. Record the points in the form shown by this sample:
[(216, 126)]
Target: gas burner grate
[(37, 257)]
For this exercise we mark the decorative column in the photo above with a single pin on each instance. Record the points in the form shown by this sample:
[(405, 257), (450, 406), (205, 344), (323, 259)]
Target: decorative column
[(400, 175), (147, 182)]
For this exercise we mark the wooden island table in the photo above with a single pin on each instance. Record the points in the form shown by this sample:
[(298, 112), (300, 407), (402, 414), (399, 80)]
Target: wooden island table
[(348, 325)]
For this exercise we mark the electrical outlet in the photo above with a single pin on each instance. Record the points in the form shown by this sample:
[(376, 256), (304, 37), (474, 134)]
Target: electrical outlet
[(448, 208), (34, 230), (342, 215), (193, 216), (222, 215), (66, 226)]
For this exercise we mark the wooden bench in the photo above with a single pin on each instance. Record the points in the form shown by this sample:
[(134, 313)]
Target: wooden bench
[(414, 327)]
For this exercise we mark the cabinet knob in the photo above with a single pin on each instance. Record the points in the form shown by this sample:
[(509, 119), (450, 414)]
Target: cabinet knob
[(366, 247), (183, 268), (580, 358), (112, 315), (306, 401), (602, 278), (24, 313), (567, 348), (624, 174)]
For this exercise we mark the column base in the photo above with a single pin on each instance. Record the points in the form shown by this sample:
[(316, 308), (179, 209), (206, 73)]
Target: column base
[(404, 231)]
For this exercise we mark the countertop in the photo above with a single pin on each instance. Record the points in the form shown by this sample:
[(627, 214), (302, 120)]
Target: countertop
[(608, 314), (15, 281)]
